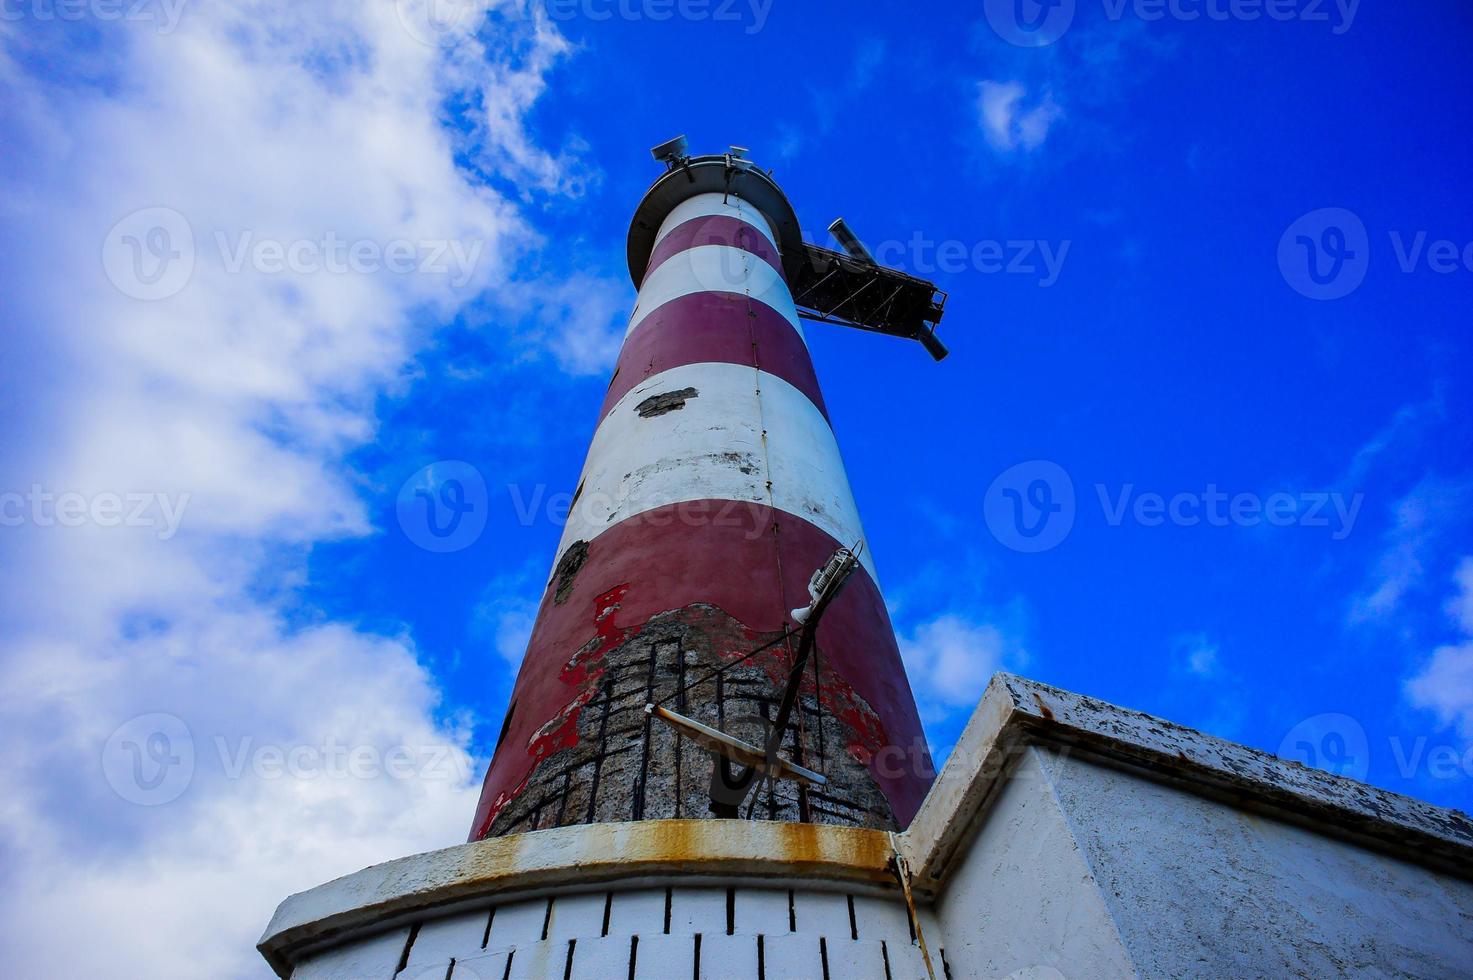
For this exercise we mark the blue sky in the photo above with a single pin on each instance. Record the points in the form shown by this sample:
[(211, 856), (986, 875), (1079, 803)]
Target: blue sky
[(1153, 188), (1169, 356)]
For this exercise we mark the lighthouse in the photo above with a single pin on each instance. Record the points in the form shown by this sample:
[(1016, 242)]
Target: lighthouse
[(712, 491), (711, 765)]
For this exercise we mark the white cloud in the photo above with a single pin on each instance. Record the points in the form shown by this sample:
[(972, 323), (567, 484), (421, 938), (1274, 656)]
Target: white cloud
[(1419, 520), (1197, 654), (584, 319), (1011, 121), (244, 390), (506, 614), (1444, 685), (950, 659)]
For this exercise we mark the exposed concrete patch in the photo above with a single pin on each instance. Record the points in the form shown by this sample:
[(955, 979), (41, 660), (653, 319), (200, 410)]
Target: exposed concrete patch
[(669, 401), (619, 766), (567, 569)]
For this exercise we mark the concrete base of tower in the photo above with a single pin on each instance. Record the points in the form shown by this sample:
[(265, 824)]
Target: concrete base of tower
[(1064, 838)]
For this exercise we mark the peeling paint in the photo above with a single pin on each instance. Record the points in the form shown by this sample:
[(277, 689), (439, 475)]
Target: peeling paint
[(567, 569), (598, 760)]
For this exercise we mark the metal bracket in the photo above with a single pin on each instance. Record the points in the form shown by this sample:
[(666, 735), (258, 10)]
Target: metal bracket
[(734, 749)]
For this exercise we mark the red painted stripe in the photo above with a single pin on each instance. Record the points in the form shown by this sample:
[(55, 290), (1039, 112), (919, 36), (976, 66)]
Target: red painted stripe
[(727, 554), (702, 328), (715, 229)]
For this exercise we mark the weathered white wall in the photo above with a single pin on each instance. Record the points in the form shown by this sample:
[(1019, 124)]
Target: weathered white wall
[(1024, 897), (796, 932), (1096, 872), (1072, 869)]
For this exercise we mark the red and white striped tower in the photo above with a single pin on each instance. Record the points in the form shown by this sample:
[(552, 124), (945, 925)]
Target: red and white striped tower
[(713, 489)]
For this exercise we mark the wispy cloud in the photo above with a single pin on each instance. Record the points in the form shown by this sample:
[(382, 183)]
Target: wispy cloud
[(1197, 654), (1013, 120), (505, 614), (1402, 433), (1420, 521), (827, 100)]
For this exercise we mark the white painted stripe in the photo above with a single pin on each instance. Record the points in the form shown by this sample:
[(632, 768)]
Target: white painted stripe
[(714, 268), (713, 449), (707, 204)]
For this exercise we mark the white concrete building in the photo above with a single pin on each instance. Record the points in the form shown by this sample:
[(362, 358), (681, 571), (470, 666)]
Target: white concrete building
[(1064, 838)]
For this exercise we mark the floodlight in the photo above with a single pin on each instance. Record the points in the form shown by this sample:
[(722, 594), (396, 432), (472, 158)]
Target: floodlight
[(671, 151), (851, 242)]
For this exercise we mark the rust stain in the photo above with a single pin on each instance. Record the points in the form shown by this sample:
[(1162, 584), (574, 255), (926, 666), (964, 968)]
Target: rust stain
[(1043, 709)]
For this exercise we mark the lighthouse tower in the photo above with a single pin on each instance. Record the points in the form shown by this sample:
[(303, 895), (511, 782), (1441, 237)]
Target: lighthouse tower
[(711, 766), (712, 491)]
